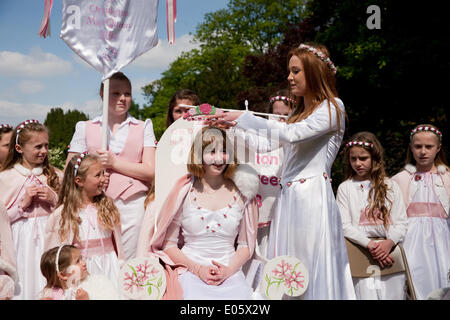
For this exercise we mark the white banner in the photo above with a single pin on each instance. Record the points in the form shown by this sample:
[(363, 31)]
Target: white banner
[(109, 34)]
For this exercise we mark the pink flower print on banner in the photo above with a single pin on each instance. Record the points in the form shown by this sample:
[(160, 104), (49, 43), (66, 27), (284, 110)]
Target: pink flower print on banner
[(143, 275), (285, 274), (205, 108)]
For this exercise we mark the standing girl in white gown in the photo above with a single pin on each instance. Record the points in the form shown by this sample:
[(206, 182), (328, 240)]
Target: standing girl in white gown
[(208, 223), (425, 183), (28, 189), (371, 206), (306, 222), (87, 218)]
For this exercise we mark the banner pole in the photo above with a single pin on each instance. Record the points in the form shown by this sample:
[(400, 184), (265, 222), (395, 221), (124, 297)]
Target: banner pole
[(105, 114)]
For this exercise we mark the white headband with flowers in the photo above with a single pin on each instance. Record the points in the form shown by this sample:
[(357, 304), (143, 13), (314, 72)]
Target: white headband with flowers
[(322, 56), (426, 128), (22, 125), (359, 143), (281, 98), (78, 162), (5, 126), (57, 257)]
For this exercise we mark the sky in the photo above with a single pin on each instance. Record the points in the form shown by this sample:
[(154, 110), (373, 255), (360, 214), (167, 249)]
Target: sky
[(38, 74)]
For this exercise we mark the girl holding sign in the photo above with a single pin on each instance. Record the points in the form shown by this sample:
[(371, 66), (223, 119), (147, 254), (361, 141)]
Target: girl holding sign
[(306, 222), (130, 158)]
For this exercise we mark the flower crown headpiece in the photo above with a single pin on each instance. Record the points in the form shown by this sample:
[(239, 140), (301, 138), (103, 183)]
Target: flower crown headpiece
[(359, 143), (5, 126), (426, 128), (281, 98), (319, 54), (22, 125), (78, 162)]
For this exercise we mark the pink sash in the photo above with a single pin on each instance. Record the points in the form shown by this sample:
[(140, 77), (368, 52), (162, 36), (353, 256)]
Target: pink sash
[(426, 209), (97, 247)]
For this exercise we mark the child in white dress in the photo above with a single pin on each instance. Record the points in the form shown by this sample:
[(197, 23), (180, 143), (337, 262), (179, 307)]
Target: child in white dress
[(425, 183), (371, 206), (87, 218), (206, 229), (28, 190)]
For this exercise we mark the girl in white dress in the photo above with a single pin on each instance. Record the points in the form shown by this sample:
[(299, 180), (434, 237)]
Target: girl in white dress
[(208, 224), (28, 189), (129, 158), (371, 206), (306, 222), (87, 218), (425, 183)]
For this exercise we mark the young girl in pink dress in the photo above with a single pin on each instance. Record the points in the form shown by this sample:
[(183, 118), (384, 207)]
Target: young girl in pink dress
[(129, 158), (425, 183), (28, 189), (371, 206), (86, 218)]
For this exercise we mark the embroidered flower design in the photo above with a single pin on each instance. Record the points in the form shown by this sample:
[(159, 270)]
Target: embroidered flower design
[(418, 177)]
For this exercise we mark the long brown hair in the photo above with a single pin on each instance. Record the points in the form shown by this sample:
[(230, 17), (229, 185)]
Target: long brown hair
[(320, 84), (48, 264), (378, 193), (70, 199), (440, 158), (13, 156)]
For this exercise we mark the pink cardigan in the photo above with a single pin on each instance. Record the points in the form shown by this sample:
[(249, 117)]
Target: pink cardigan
[(151, 243), (52, 238), (8, 272)]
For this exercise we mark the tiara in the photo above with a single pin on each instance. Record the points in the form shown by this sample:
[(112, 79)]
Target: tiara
[(359, 143), (78, 162), (426, 128), (5, 126), (278, 98), (21, 126), (57, 257), (320, 55)]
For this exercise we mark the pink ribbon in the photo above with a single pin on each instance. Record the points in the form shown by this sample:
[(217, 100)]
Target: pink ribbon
[(45, 24), (171, 6)]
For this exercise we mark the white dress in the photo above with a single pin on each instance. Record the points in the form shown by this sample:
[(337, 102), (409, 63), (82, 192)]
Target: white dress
[(306, 222), (100, 256), (352, 199), (210, 235), (427, 242)]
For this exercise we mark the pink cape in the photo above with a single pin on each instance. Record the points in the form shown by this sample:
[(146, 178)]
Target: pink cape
[(151, 243)]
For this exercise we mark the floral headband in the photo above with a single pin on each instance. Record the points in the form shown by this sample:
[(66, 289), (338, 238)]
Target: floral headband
[(320, 55), (78, 162), (5, 126), (426, 128), (281, 98), (359, 143), (22, 125)]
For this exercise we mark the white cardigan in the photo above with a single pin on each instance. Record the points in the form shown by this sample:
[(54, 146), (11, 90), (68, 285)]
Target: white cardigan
[(350, 201)]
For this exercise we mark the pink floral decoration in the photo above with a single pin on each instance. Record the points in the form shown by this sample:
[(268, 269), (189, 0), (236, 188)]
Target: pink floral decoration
[(205, 108)]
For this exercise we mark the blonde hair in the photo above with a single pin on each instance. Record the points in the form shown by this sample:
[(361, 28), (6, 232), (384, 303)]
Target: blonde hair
[(320, 84), (14, 156), (204, 138), (440, 158), (48, 264), (70, 199), (377, 207)]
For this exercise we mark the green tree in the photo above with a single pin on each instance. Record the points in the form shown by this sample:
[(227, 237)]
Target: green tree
[(61, 127)]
